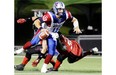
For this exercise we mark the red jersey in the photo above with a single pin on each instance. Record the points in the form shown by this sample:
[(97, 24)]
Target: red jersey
[(72, 46)]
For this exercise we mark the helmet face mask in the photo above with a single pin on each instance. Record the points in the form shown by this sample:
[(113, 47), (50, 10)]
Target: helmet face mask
[(59, 8)]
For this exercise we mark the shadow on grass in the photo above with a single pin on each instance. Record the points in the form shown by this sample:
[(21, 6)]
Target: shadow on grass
[(73, 71), (81, 71), (68, 71)]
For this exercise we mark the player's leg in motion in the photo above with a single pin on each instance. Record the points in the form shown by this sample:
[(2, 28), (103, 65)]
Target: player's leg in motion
[(27, 58), (28, 44), (63, 54), (38, 36), (42, 54), (59, 61), (51, 51), (35, 62), (89, 52)]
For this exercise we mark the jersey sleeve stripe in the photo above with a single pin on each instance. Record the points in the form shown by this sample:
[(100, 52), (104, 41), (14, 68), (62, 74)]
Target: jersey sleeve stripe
[(51, 18), (69, 15), (66, 14)]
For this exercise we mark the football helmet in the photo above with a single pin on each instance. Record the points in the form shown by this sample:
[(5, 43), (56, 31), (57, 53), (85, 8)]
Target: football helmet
[(58, 8)]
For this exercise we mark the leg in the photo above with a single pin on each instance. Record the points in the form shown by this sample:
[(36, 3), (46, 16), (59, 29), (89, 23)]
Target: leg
[(42, 54), (35, 63), (89, 52), (26, 59), (62, 56), (59, 61), (51, 51), (28, 44)]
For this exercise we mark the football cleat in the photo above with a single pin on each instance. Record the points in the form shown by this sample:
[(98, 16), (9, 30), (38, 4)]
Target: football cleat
[(52, 69), (15, 53), (94, 50), (19, 67)]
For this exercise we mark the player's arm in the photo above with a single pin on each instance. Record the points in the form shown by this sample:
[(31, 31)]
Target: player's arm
[(37, 22), (44, 19), (76, 26), (75, 22)]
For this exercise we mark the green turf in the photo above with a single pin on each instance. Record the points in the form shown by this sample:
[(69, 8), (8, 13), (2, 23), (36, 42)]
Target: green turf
[(86, 66)]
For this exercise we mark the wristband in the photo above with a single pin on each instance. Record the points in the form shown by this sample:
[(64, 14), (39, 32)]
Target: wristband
[(75, 24)]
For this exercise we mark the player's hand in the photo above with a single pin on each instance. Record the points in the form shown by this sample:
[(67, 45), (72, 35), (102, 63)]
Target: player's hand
[(77, 30), (21, 21)]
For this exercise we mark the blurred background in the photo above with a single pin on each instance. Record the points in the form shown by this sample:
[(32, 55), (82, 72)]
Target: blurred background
[(88, 13)]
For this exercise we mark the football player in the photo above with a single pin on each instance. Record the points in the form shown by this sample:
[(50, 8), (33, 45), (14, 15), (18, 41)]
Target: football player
[(54, 20), (68, 49), (73, 52)]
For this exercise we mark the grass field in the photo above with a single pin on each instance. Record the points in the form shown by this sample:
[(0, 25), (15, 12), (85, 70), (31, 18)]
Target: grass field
[(90, 65)]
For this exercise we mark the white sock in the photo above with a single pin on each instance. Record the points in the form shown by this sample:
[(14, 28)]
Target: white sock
[(19, 51)]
